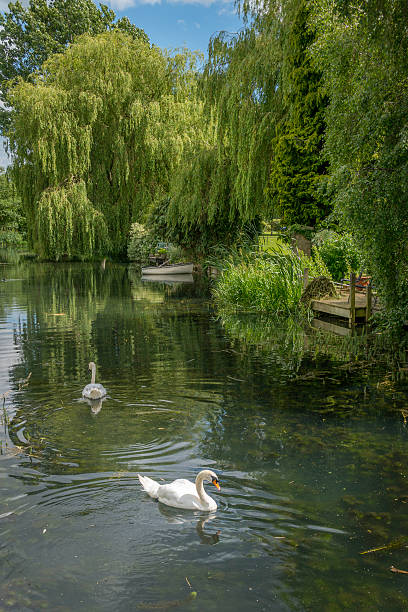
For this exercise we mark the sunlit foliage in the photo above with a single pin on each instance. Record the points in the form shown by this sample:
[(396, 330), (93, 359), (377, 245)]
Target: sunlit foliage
[(268, 106), (268, 283), (200, 213), (95, 137), (218, 188), (30, 34), (362, 49), (241, 83)]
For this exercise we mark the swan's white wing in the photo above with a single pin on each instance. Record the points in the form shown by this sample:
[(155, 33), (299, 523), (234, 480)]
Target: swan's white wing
[(178, 487), (183, 482), (94, 391), (180, 494), (186, 500)]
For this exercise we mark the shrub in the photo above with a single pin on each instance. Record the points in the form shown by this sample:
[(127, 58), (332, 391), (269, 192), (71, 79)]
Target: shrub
[(338, 252), (175, 254), (10, 238), (315, 264), (141, 243)]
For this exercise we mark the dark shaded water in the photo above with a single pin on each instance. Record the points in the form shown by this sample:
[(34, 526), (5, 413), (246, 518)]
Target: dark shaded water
[(312, 458)]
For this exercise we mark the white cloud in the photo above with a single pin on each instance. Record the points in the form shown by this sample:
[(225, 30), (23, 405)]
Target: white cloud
[(181, 22), (121, 5), (201, 2), (197, 25), (227, 10)]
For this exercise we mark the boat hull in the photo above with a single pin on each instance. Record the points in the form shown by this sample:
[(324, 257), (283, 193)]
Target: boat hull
[(169, 279), (186, 268)]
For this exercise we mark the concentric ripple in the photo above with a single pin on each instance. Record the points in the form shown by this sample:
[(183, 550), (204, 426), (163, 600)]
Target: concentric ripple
[(302, 493)]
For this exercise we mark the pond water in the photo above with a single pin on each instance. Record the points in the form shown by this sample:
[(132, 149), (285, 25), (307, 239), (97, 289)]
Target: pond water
[(312, 456)]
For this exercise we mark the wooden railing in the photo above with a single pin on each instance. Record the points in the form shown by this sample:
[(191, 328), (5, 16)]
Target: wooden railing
[(350, 287)]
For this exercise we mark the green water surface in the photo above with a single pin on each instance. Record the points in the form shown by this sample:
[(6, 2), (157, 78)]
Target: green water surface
[(312, 456)]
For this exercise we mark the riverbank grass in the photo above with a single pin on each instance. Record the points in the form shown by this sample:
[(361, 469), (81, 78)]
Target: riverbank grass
[(265, 282), (270, 283)]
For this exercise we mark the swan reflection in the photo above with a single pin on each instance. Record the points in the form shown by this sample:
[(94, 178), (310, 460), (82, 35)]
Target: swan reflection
[(207, 538), (175, 516), (95, 404)]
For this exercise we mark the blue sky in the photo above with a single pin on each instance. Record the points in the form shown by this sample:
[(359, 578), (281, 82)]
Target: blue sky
[(179, 23), (171, 23)]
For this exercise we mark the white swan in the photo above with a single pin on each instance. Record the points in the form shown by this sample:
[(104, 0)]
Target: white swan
[(183, 493), (93, 390)]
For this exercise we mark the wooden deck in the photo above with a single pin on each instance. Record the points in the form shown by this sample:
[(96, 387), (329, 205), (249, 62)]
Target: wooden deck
[(341, 307), (352, 307)]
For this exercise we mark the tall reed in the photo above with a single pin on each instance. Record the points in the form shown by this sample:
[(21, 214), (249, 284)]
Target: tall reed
[(261, 282)]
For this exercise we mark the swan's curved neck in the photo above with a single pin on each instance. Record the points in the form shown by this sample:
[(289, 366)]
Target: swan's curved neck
[(205, 498), (93, 370)]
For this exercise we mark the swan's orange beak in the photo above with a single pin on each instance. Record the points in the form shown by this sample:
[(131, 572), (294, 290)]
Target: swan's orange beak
[(216, 483)]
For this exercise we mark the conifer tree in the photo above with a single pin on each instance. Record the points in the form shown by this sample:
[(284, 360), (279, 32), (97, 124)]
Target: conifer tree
[(298, 169)]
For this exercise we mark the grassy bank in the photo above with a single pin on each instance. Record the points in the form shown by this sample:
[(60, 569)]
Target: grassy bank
[(264, 282)]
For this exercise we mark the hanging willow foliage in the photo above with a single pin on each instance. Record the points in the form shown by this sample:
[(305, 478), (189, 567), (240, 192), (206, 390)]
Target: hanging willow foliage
[(68, 223), (95, 137), (241, 83), (268, 115), (220, 183)]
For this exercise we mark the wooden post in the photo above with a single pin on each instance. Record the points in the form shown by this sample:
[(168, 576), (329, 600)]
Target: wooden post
[(369, 302), (352, 320), (305, 278)]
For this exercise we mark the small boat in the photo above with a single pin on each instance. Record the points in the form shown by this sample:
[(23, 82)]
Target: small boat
[(181, 268), (169, 279)]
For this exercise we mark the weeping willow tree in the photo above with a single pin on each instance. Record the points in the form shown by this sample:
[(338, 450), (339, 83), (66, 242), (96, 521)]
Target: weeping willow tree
[(29, 34), (218, 191), (95, 137), (199, 214), (241, 86), (258, 98)]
